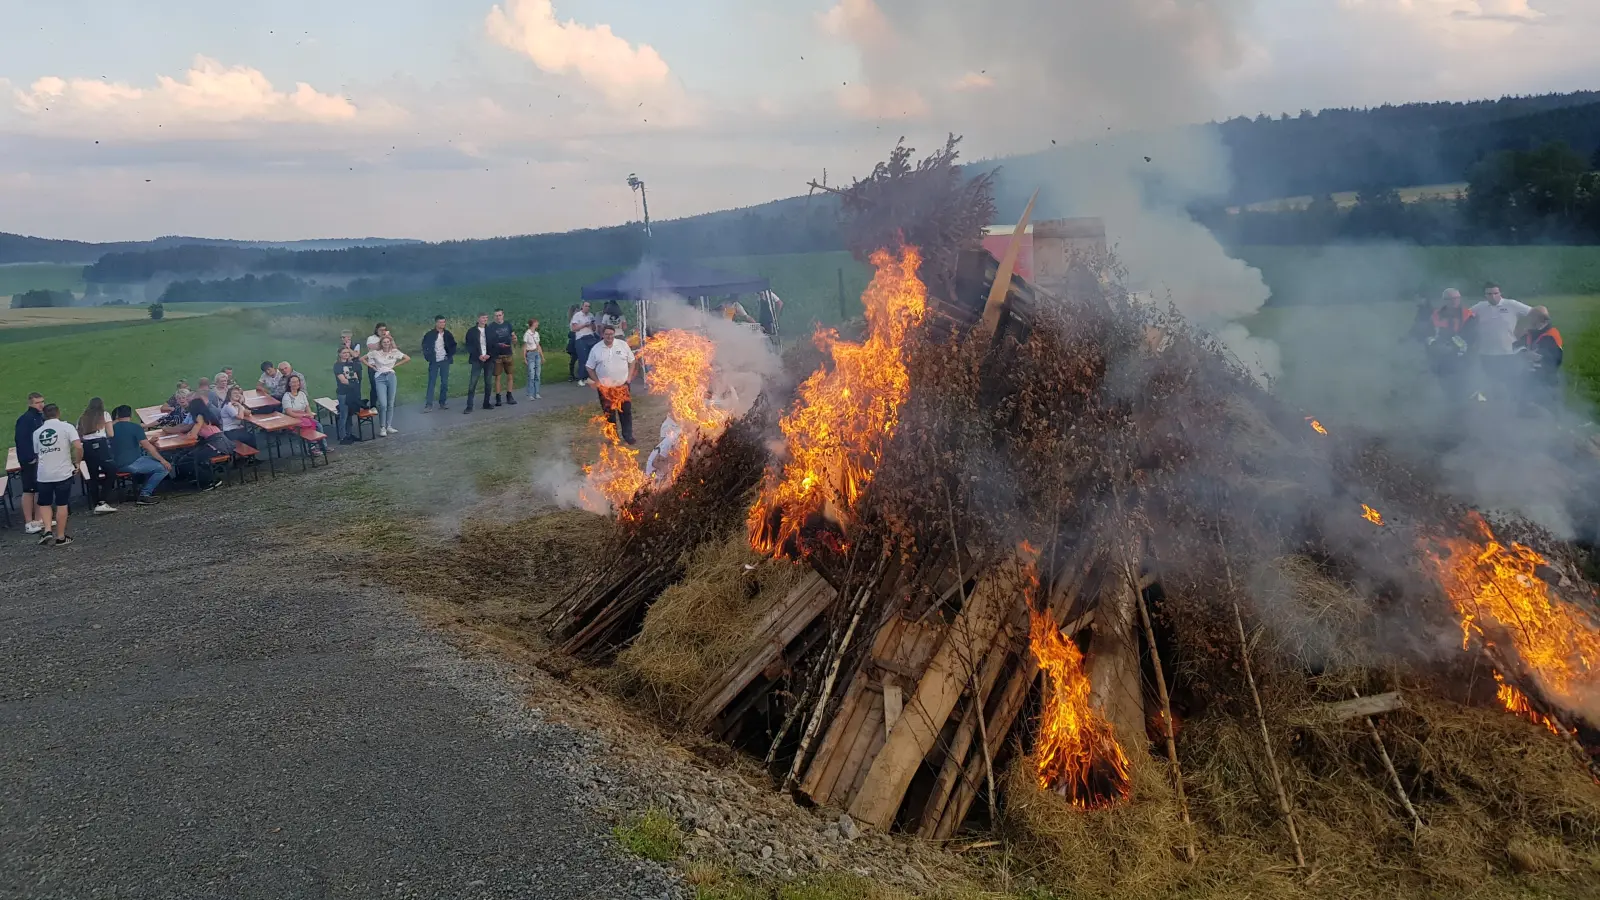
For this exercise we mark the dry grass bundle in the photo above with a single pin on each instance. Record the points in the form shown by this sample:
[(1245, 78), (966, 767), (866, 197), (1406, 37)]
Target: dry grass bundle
[(1314, 620), (701, 625)]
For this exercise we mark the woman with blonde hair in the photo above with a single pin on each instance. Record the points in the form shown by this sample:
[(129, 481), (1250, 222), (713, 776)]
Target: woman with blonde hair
[(297, 403), (382, 362)]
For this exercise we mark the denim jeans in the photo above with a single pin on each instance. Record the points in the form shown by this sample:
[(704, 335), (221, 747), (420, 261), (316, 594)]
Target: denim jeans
[(385, 386), (144, 465), (440, 372), (535, 373), (349, 409)]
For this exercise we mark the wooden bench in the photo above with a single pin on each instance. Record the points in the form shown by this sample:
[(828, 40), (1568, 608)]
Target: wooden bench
[(307, 443), (364, 416)]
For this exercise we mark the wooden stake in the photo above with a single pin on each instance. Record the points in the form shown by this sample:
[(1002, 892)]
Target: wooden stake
[(1190, 855), (1261, 715), (1002, 278), (815, 721), (978, 691), (1388, 764)]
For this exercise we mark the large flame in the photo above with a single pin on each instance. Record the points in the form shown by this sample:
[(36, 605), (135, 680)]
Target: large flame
[(836, 431), (615, 477), (1076, 753), (681, 369), (1501, 599)]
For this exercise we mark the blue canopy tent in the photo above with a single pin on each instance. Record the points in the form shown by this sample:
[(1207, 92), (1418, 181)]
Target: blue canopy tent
[(652, 278)]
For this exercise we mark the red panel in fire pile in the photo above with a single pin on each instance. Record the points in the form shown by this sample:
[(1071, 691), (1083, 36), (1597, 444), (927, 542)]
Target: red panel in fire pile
[(1000, 239)]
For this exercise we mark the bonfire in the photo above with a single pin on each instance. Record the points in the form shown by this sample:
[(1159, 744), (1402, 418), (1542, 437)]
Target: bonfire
[(1052, 561)]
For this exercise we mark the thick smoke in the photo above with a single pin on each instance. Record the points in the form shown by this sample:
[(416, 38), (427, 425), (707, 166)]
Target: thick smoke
[(1116, 87)]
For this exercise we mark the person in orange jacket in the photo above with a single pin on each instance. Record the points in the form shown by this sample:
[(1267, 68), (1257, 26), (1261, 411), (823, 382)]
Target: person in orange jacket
[(1543, 346)]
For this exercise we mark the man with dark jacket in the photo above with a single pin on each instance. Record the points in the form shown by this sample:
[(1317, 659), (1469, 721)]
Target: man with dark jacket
[(501, 337), (439, 349), (27, 424), (480, 356)]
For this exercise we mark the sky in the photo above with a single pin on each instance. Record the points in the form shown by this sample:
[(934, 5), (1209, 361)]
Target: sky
[(439, 119)]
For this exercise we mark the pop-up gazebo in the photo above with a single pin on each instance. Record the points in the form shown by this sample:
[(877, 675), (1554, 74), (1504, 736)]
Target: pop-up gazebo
[(651, 279)]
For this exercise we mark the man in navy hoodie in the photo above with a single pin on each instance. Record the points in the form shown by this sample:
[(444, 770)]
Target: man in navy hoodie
[(27, 424), (439, 349)]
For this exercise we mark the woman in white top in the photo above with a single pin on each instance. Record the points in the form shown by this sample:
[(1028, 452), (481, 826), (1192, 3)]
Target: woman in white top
[(235, 415), (382, 362), (533, 355), (297, 403)]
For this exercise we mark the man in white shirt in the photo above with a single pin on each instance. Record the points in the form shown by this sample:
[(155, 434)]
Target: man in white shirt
[(59, 448), (1495, 325), (611, 367)]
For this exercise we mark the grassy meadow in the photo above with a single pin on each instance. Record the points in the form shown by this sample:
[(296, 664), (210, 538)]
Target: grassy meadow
[(18, 278)]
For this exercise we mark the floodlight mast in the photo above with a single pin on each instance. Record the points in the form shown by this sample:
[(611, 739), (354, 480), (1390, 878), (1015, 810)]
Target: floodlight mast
[(637, 183)]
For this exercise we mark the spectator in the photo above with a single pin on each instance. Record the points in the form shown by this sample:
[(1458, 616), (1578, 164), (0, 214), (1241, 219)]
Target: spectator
[(373, 340), (27, 424), (478, 356), (611, 314), (134, 453), (57, 448), (233, 415), (228, 371), (92, 426), (271, 382), (347, 375), (770, 307), (219, 388), (501, 337), (347, 341), (383, 361), (179, 398), (285, 370), (572, 345), (611, 367), (439, 349), (583, 336), (533, 356), (209, 441), (297, 403)]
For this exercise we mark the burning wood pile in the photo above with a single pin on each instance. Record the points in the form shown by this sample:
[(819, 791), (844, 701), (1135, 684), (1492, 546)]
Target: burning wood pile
[(1054, 544)]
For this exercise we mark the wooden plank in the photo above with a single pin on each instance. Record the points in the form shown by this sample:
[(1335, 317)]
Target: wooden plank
[(893, 703), (998, 726), (1112, 664), (914, 734), (828, 766), (781, 625), (1002, 279), (1377, 704)]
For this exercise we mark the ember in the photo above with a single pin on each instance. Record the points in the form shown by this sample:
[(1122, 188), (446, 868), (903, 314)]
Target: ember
[(1371, 515), (836, 431), (1501, 599), (1316, 426)]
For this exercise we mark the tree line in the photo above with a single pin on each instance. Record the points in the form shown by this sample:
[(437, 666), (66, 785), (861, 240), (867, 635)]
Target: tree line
[(1548, 195), (276, 287)]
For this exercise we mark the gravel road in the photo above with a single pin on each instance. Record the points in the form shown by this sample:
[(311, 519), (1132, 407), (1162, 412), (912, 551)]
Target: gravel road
[(195, 702)]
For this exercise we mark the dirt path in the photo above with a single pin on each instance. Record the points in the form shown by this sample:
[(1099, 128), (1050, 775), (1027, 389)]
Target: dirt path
[(202, 700)]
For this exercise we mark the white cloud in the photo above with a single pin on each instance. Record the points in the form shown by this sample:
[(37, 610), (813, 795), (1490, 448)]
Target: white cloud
[(858, 21), (973, 81), (619, 70), (208, 92)]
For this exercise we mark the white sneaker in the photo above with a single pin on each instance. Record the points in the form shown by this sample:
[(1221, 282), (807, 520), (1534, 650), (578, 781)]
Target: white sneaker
[(34, 527), (383, 432), (584, 382), (104, 507), (393, 430)]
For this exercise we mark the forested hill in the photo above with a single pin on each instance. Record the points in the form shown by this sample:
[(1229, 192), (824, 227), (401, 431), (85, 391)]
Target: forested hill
[(20, 248), (1310, 154), (1339, 150)]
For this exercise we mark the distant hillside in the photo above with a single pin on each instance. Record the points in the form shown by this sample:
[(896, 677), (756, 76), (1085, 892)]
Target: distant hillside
[(18, 248), (1312, 154)]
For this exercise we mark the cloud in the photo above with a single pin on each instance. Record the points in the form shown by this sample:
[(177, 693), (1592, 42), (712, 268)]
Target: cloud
[(858, 21), (208, 92), (619, 70)]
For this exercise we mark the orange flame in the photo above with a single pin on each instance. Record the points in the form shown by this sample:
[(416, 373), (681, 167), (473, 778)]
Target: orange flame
[(837, 428), (1519, 704), (615, 477), (1316, 426), (1371, 515), (681, 370), (1076, 753), (1497, 592)]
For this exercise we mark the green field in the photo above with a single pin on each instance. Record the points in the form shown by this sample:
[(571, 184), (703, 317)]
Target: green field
[(17, 278), (1357, 274), (1347, 199)]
